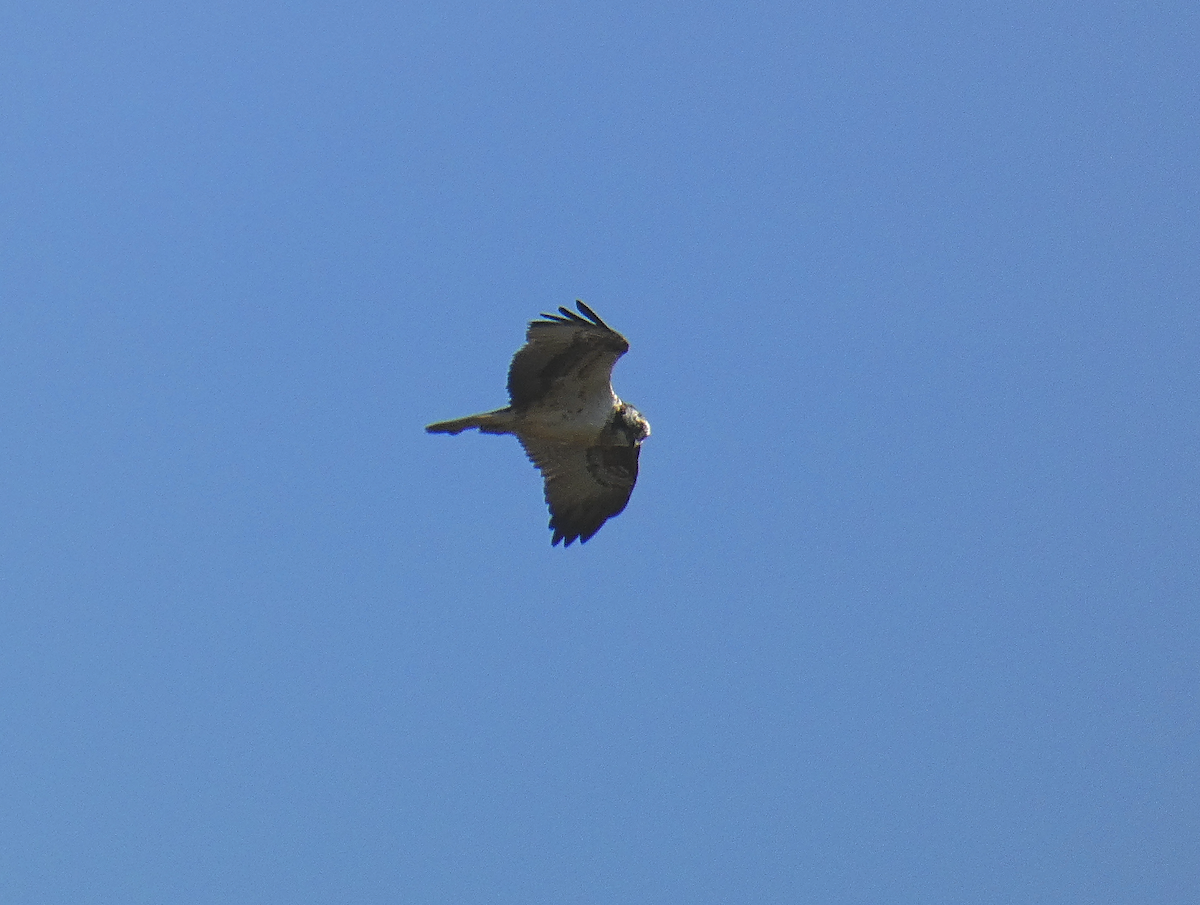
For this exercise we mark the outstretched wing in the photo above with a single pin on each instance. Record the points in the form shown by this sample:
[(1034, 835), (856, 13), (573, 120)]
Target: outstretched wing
[(565, 346), (585, 486)]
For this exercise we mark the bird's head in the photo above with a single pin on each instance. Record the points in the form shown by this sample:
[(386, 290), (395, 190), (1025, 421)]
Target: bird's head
[(631, 423)]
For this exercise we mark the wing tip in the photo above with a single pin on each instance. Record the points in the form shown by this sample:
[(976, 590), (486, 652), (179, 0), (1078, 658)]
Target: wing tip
[(589, 313), (586, 316), (568, 536)]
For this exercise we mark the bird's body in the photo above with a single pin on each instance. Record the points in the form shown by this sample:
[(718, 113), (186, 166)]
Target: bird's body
[(574, 428)]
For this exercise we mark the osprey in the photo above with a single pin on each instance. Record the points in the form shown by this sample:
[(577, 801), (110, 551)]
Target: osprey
[(582, 438)]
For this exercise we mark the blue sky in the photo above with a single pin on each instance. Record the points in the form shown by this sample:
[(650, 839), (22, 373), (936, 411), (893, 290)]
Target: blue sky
[(904, 606)]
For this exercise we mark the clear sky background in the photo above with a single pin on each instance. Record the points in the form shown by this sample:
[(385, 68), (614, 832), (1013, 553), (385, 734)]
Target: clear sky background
[(906, 605)]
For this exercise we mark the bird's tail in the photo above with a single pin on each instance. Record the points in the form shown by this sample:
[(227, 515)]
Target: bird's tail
[(497, 422)]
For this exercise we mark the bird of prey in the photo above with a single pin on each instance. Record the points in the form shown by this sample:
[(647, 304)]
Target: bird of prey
[(582, 438)]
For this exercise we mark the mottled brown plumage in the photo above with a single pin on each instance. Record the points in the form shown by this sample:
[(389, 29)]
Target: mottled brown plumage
[(562, 408)]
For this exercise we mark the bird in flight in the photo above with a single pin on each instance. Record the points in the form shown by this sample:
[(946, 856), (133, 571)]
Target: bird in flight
[(580, 435)]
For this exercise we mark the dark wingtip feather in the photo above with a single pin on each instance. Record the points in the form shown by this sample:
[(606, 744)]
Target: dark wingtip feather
[(572, 316), (567, 537), (570, 535), (582, 305), (566, 316)]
